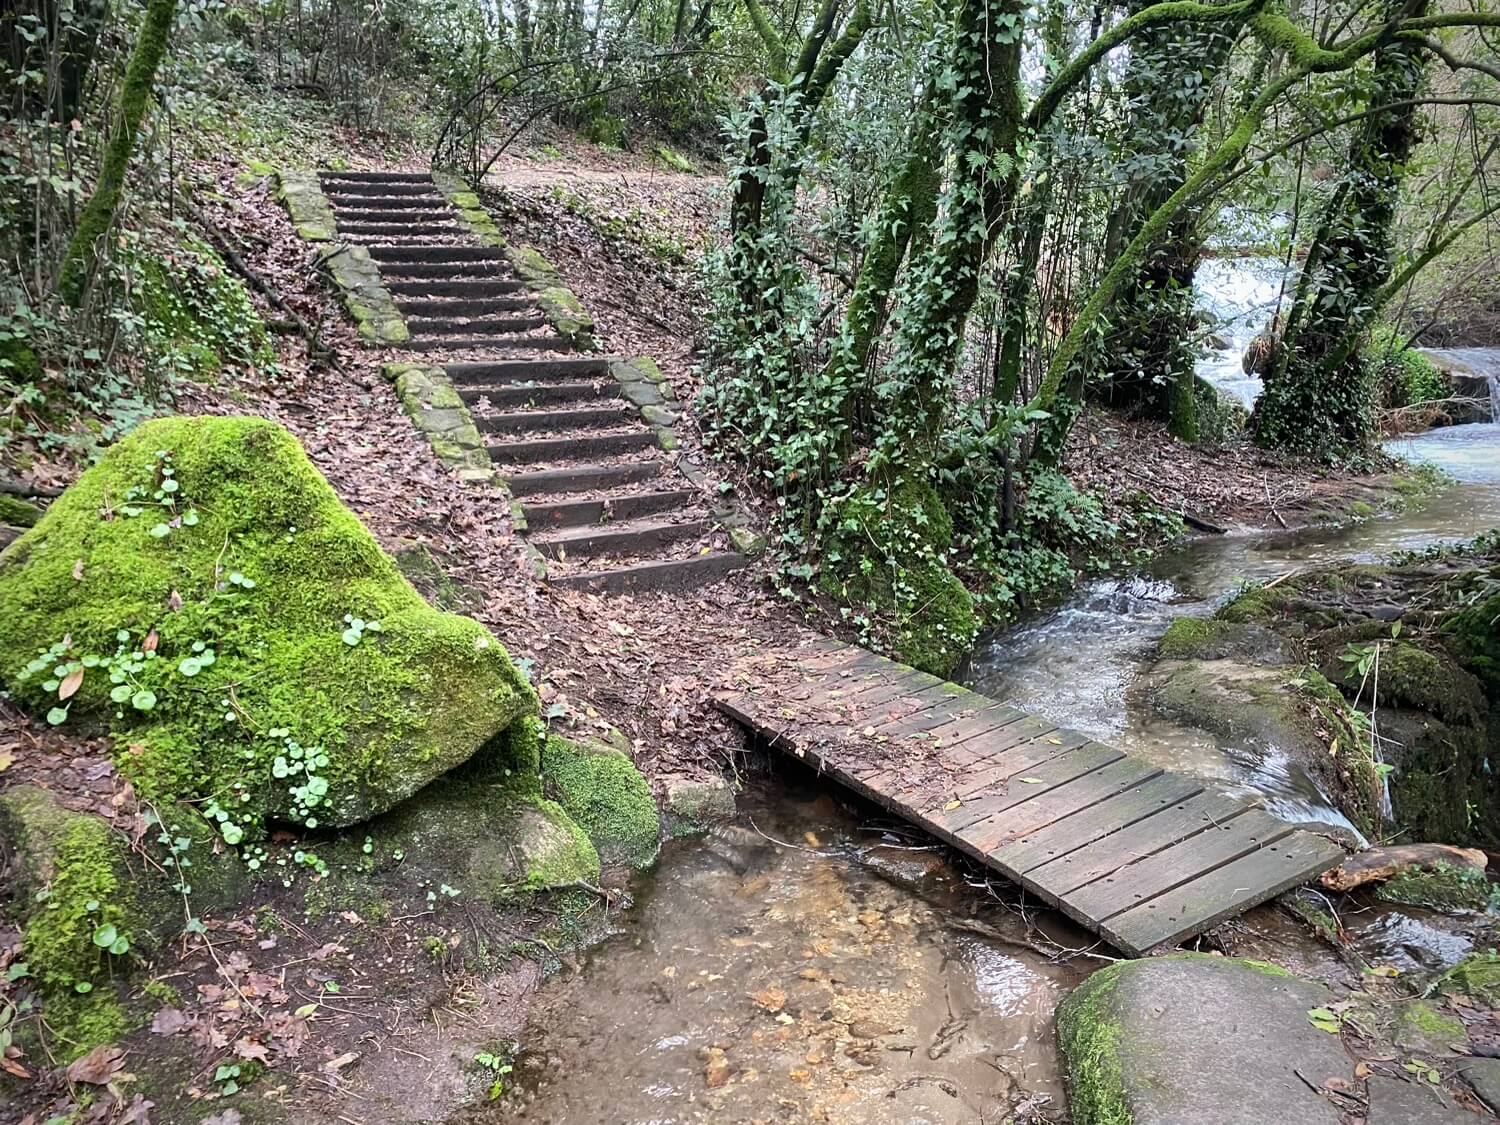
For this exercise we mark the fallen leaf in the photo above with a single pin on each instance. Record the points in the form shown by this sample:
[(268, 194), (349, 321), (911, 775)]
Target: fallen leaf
[(138, 1112), (151, 641), (169, 1021), (97, 1067), (7, 759), (247, 1048), (70, 685), (78, 570), (323, 952), (771, 999), (13, 1068), (951, 805), (174, 603), (1032, 781)]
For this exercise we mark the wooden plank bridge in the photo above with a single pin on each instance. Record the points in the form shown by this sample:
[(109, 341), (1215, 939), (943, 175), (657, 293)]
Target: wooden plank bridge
[(1141, 855)]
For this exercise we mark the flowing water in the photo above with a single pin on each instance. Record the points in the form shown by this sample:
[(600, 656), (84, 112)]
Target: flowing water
[(828, 977)]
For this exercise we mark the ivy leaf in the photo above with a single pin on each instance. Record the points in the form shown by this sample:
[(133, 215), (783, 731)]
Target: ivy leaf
[(120, 693), (160, 531)]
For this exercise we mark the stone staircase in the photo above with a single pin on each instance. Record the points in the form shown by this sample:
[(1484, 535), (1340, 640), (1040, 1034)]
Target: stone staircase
[(603, 503)]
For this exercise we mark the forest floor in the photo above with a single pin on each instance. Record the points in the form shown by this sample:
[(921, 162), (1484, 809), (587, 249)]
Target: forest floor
[(624, 233)]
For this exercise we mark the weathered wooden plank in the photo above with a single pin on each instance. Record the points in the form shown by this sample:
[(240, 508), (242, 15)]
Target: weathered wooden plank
[(1025, 784), (1072, 834), (1181, 863), (1234, 887), (1038, 812), (996, 768), (966, 724), (970, 778)]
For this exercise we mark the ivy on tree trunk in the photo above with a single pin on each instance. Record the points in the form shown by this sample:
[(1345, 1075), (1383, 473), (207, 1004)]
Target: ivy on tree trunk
[(82, 257)]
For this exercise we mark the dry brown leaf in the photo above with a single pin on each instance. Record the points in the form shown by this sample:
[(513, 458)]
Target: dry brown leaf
[(70, 685), (771, 999), (97, 1067)]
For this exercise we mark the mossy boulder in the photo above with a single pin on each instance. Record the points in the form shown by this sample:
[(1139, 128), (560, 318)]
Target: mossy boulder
[(1420, 1026), (204, 595), (1197, 1040), (488, 840), (602, 790), (18, 513), (887, 559), (88, 905), (1211, 638), (1444, 888)]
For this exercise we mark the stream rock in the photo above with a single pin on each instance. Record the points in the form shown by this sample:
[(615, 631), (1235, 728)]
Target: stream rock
[(1293, 669), (1198, 1040), (1396, 1102)]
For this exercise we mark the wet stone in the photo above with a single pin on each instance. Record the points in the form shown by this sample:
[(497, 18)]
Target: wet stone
[(1484, 1076), (1198, 1040), (1394, 1102)]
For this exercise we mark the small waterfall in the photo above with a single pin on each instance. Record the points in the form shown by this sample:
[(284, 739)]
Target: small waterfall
[(1494, 381), (1475, 363)]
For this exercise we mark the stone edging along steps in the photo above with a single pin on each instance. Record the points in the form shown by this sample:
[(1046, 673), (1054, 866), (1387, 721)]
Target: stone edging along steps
[(498, 370)]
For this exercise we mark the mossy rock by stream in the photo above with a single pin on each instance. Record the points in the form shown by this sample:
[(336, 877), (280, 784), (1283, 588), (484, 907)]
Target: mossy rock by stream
[(1197, 1040), (1296, 667), (602, 790), (886, 562), (242, 635)]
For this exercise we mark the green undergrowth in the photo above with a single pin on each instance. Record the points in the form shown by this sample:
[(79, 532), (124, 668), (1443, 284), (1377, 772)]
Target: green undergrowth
[(203, 595), (1444, 888)]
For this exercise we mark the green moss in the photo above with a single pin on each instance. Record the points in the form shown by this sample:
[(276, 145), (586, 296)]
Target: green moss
[(78, 1023), (18, 513), (1420, 1026), (1090, 1039), (1443, 888), (197, 315), (1187, 637), (1476, 976), (603, 791), (567, 859), (886, 560), (390, 712), (1471, 634), (1413, 676), (1254, 605)]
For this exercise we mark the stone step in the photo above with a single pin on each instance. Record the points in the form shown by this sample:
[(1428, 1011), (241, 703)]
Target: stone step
[(555, 421), (385, 254), (535, 395), (527, 370), (393, 215), (668, 574), (589, 513), (421, 306), (633, 538), (377, 177), (583, 478), (476, 326), (477, 287), (488, 343), (399, 230), (401, 203), (363, 189), (541, 450), (443, 271)]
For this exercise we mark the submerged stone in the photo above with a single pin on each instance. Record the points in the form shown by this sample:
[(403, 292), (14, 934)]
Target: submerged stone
[(203, 594), (694, 804), (1198, 1040)]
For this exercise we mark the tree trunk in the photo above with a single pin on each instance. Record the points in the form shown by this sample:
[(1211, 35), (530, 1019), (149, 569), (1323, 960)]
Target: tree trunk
[(1317, 397), (82, 257)]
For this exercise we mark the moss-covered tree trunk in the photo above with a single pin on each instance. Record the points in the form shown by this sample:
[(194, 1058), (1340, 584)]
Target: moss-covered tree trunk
[(982, 139), (82, 257), (1317, 397)]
